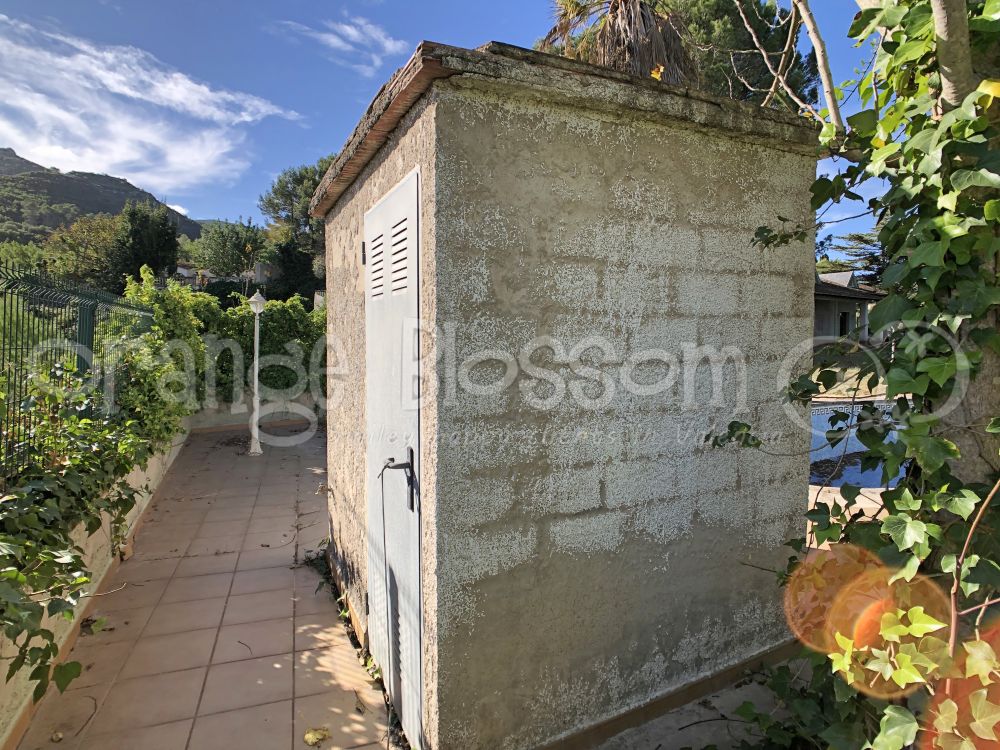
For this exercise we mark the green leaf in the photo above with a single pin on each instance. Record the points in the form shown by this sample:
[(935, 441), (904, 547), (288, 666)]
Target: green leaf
[(892, 628), (986, 715), (966, 178), (931, 452), (991, 210), (981, 661), (994, 426), (940, 369), (986, 573), (888, 311), (908, 572), (929, 253), (905, 531), (897, 729), (65, 673), (921, 623), (899, 382)]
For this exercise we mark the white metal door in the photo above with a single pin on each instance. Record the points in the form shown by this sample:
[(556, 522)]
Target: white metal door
[(392, 399)]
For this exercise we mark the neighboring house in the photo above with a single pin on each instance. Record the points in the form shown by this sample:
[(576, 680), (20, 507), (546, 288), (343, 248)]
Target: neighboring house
[(194, 277), (842, 305)]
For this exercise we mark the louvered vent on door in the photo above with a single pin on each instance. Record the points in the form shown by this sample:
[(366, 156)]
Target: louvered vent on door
[(399, 260), (376, 265)]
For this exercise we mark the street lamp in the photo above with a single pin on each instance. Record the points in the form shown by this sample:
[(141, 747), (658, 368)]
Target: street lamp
[(257, 306)]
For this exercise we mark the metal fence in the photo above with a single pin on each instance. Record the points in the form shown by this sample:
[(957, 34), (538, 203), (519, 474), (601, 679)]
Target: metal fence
[(44, 322)]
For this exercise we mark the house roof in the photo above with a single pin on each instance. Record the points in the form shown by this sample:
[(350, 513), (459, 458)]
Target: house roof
[(554, 77), (841, 278), (826, 289)]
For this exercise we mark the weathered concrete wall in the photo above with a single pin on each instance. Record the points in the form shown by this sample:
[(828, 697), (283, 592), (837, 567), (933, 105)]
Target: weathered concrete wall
[(590, 551), (15, 698), (411, 145)]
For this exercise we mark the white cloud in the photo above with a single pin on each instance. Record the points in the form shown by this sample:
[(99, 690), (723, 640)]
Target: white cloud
[(77, 105), (178, 208), (355, 42)]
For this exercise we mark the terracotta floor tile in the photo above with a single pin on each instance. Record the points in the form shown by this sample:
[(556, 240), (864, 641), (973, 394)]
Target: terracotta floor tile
[(253, 639), (146, 701), (235, 513), (159, 654), (67, 714), (140, 571), (267, 558), (216, 529), (117, 625), (266, 605), (216, 546), (132, 595), (272, 511), (267, 727), (320, 630), (178, 617), (352, 723), (282, 524), (268, 540), (334, 667), (160, 548), (251, 682), (172, 736), (100, 661), (269, 579), (206, 564), (197, 587)]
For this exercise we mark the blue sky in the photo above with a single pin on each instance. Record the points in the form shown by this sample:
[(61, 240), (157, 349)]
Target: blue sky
[(203, 103)]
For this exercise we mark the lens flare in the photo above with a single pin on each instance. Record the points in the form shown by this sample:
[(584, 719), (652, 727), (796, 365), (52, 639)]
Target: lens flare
[(814, 586), (859, 613)]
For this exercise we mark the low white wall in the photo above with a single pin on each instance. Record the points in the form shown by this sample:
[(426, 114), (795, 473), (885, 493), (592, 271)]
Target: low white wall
[(15, 697)]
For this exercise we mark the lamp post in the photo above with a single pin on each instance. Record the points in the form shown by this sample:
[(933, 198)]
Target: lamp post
[(257, 305)]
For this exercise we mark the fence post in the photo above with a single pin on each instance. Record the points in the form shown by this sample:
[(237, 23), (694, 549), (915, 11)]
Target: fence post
[(85, 326)]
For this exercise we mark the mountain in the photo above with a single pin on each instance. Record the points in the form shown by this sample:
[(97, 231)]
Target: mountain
[(11, 163), (35, 200)]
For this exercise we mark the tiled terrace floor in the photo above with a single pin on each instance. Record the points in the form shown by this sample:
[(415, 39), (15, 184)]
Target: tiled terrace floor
[(216, 636)]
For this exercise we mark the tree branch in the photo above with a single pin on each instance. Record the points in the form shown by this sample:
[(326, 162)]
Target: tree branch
[(770, 66), (823, 63), (786, 55), (951, 26)]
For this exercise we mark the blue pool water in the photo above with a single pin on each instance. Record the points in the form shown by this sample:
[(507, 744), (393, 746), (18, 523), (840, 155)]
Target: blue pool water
[(840, 464)]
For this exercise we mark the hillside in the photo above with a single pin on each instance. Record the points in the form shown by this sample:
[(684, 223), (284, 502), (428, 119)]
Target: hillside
[(35, 200), (11, 163)]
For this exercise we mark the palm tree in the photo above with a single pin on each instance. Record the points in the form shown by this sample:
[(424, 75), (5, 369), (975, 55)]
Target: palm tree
[(626, 35)]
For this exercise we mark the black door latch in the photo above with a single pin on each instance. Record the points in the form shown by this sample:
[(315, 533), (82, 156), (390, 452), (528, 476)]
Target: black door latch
[(411, 479)]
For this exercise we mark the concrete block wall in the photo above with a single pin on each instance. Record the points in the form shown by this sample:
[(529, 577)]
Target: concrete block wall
[(590, 549)]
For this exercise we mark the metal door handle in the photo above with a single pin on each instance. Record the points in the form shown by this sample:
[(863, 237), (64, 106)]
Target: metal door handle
[(406, 466)]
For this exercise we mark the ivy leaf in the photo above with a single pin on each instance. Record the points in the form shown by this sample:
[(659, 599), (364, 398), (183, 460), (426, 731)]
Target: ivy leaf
[(65, 673), (929, 254), (888, 311), (921, 623), (931, 452), (892, 628), (947, 717), (940, 369), (899, 382), (986, 715), (897, 730), (986, 573), (981, 662), (994, 426), (881, 663), (966, 178), (908, 572), (905, 531)]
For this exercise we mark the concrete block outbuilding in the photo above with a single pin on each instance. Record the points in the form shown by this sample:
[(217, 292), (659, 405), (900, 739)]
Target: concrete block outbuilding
[(542, 293)]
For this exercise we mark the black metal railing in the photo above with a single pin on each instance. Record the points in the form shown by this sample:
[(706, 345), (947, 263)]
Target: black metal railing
[(45, 322)]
